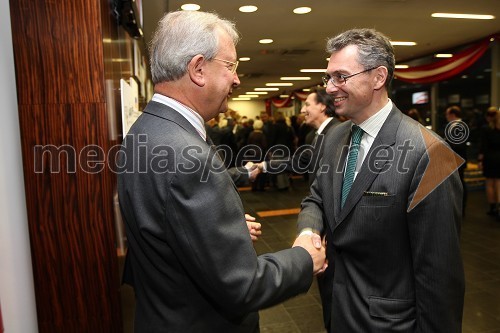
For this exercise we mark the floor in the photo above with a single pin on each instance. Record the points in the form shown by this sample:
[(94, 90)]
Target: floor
[(480, 248)]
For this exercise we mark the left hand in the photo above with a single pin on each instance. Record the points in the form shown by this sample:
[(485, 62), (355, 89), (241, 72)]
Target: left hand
[(254, 228)]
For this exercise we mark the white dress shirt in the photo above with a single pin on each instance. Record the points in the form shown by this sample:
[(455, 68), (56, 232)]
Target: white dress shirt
[(371, 127), (191, 115)]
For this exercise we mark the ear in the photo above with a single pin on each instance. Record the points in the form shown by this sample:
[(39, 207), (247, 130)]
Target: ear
[(196, 70), (380, 77)]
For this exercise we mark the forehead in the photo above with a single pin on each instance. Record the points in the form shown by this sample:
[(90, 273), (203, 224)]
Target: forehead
[(226, 44), (344, 59)]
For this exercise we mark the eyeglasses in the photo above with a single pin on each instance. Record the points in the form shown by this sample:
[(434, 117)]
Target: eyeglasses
[(339, 79), (233, 65)]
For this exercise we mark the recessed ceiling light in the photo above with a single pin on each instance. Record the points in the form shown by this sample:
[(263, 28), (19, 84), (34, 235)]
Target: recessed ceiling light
[(257, 92), (190, 6), (244, 59), (313, 70), (463, 16), (302, 10), (443, 55), (248, 9), (267, 89), (248, 95), (464, 77), (240, 99), (279, 84), (284, 96), (306, 89), (295, 78), (266, 41), (402, 66), (396, 43)]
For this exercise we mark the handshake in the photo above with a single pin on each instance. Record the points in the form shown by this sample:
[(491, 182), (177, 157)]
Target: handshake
[(254, 169), (313, 244)]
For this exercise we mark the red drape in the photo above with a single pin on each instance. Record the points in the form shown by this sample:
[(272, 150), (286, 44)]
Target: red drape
[(446, 68)]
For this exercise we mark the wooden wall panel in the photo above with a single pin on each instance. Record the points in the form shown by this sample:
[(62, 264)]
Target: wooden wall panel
[(70, 221), (59, 48), (60, 78)]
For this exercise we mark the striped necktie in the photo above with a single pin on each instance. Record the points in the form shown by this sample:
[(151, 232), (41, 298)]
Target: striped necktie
[(356, 135)]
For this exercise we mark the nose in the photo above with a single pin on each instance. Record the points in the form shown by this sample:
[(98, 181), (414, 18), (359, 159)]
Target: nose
[(331, 88), (236, 81)]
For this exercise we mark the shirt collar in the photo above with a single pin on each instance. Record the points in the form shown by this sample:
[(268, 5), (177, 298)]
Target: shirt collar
[(191, 115), (372, 125), (323, 125)]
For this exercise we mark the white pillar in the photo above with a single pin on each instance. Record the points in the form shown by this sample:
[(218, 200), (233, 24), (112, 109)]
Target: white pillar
[(17, 296)]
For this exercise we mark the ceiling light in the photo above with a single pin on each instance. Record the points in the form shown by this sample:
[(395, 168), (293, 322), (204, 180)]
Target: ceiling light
[(402, 66), (249, 96), (248, 9), (244, 59), (267, 89), (396, 43), (306, 89), (328, 59), (443, 55), (302, 10), (257, 92), (190, 6), (295, 78), (279, 84), (240, 99), (313, 70), (284, 96), (266, 41), (463, 16)]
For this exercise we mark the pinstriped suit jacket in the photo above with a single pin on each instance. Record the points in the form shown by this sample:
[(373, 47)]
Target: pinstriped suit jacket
[(190, 258), (391, 269)]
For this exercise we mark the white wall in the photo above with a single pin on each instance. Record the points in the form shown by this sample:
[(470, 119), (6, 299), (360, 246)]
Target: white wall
[(17, 297), (251, 109)]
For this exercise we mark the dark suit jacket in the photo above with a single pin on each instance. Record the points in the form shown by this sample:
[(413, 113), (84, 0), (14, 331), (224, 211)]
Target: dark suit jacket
[(190, 258), (306, 158), (395, 269)]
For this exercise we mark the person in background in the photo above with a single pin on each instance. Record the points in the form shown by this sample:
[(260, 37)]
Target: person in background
[(391, 219), (414, 114), (258, 139), (454, 137), (190, 259), (319, 114), (489, 160)]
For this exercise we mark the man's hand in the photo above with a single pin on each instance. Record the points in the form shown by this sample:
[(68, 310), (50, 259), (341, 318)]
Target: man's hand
[(312, 243), (254, 228), (253, 170)]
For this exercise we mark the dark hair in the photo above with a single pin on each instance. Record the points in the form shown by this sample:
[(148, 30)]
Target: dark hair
[(374, 49), (324, 98), (454, 110)]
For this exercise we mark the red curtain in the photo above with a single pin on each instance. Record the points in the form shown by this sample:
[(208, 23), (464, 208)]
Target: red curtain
[(446, 68)]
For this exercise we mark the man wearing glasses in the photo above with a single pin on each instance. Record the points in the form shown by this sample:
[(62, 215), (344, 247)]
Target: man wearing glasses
[(390, 208), (190, 258)]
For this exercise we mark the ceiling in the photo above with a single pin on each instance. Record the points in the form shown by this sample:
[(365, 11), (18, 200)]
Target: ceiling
[(299, 40)]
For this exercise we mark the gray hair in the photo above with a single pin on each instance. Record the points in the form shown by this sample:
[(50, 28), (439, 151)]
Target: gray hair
[(180, 36), (374, 48)]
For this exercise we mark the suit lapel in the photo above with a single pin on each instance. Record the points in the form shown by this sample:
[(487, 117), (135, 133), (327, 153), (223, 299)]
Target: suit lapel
[(340, 156), (373, 164)]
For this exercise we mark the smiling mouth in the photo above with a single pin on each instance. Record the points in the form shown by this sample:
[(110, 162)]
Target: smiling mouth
[(339, 99)]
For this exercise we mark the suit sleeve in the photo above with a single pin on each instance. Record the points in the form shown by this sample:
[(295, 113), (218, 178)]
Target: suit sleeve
[(207, 225), (434, 230), (239, 175), (311, 213)]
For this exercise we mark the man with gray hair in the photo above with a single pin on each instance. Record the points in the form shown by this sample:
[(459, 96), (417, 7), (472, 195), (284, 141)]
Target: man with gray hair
[(390, 207), (190, 258)]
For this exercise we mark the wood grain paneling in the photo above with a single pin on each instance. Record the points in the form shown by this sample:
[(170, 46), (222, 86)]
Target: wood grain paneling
[(58, 51), (60, 77)]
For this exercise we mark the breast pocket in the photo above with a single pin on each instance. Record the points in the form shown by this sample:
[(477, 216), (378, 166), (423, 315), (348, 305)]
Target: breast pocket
[(377, 201)]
